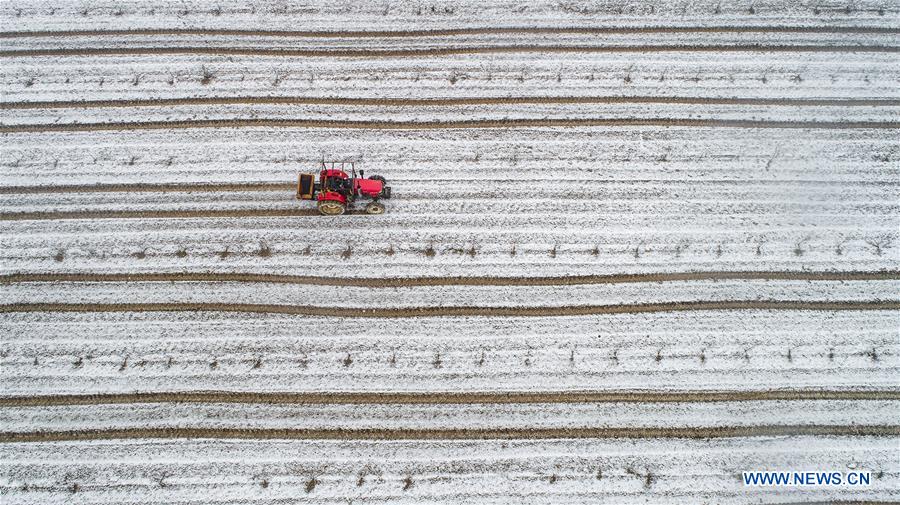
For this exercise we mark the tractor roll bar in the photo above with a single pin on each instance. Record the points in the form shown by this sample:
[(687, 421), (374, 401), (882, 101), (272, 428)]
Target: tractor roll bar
[(339, 165)]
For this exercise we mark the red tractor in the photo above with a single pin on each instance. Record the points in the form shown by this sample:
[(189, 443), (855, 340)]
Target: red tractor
[(335, 190)]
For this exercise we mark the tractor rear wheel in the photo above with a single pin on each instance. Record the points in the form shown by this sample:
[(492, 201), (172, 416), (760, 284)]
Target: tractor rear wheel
[(331, 208), (375, 208), (383, 183)]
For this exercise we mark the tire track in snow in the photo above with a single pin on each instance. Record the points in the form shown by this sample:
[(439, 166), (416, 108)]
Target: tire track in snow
[(444, 398), (445, 102), (140, 187), (438, 125), (451, 31), (399, 282), (452, 433), (158, 214), (446, 51), (454, 311)]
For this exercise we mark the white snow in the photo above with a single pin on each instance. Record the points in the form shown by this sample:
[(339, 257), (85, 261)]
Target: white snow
[(532, 201)]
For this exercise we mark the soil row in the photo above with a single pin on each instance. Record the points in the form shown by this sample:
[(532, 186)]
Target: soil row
[(444, 102), (457, 311), (452, 434), (437, 125), (445, 51), (606, 30), (405, 282), (445, 398)]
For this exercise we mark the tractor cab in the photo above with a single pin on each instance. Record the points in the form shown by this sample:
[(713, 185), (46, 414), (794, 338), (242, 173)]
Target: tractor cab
[(336, 180), (338, 186)]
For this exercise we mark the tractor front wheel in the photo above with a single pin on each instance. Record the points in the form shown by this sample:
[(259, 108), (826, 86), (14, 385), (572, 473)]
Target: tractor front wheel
[(375, 208), (331, 208)]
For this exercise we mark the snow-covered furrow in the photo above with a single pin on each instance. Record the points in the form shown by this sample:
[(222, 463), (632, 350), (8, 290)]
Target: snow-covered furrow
[(568, 144), (385, 143), (476, 416), (785, 193), (875, 167), (624, 162), (508, 371), (752, 328), (352, 297), (570, 471), (433, 357), (539, 154), (590, 217), (760, 191), (592, 225), (336, 43), (148, 167), (728, 75), (474, 199), (456, 113), (156, 261), (717, 350), (198, 365), (333, 16), (644, 237), (499, 204), (224, 245)]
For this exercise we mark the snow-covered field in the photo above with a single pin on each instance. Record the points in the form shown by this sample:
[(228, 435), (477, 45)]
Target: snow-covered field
[(720, 227)]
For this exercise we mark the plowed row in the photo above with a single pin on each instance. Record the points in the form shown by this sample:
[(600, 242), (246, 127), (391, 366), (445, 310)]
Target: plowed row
[(449, 51), (438, 102), (455, 31), (452, 434), (369, 398), (437, 125), (453, 311), (374, 282)]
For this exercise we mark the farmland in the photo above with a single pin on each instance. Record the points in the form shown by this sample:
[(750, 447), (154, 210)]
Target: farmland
[(633, 251)]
